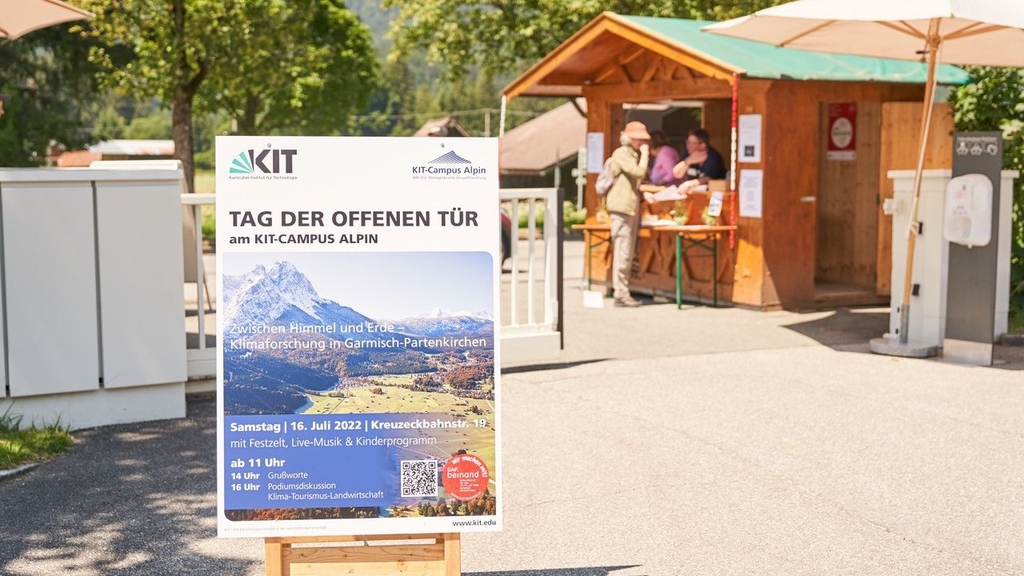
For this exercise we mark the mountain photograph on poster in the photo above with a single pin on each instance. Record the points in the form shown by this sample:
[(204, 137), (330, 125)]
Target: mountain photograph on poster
[(393, 346)]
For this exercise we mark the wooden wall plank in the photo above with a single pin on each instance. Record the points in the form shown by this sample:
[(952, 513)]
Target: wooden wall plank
[(698, 89), (847, 219), (599, 119), (791, 176), (900, 126), (717, 120), (749, 276)]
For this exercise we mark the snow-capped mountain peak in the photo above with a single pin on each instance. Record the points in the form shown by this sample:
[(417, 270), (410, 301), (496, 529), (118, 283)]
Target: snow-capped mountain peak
[(442, 313), (263, 294)]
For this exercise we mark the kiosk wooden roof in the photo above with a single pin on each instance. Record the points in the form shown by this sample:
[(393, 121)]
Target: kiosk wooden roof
[(615, 50), (779, 257)]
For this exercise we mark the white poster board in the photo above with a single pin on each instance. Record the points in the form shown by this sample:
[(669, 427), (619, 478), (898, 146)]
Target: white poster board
[(357, 370)]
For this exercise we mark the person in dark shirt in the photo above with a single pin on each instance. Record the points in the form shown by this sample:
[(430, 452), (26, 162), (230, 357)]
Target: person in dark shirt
[(702, 162)]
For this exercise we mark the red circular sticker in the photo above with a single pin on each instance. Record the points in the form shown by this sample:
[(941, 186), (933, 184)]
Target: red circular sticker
[(465, 477)]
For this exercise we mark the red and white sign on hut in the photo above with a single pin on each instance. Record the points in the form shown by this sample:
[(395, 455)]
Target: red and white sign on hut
[(842, 131)]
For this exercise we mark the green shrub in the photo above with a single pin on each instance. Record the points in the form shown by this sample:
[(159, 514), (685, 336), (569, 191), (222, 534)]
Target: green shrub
[(1016, 318), (993, 100), (524, 216), (570, 214)]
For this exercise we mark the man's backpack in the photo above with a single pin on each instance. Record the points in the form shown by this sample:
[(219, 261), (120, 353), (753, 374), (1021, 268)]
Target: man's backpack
[(605, 179)]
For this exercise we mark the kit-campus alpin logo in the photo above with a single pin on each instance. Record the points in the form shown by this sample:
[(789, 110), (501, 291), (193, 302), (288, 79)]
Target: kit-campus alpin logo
[(449, 166), (266, 164)]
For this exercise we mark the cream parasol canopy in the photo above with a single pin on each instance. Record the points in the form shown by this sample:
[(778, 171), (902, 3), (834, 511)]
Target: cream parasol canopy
[(19, 17)]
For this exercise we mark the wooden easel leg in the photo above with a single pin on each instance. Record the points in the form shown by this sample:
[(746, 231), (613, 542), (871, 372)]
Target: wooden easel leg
[(452, 554), (274, 560)]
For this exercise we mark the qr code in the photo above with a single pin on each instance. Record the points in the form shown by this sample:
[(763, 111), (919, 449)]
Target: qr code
[(419, 478)]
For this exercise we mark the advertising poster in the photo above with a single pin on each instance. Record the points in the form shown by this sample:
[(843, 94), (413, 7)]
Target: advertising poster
[(358, 389), (842, 131)]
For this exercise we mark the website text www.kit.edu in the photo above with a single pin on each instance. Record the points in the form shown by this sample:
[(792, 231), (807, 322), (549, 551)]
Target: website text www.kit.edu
[(475, 523)]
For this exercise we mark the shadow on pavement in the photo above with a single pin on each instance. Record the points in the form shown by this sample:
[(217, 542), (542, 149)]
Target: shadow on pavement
[(595, 571), (850, 330), (846, 328), (552, 366), (148, 509)]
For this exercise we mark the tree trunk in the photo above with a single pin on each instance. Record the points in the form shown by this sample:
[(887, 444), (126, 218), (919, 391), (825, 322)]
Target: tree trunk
[(188, 77), (247, 123), (181, 116)]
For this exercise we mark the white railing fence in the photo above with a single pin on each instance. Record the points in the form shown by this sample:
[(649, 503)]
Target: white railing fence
[(531, 295), (200, 350)]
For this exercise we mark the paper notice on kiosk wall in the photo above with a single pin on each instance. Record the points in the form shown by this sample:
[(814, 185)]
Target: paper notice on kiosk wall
[(750, 137), (750, 193), (595, 152)]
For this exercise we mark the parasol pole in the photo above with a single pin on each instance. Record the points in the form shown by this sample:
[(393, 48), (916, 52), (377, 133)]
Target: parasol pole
[(733, 151), (932, 48), (501, 121)]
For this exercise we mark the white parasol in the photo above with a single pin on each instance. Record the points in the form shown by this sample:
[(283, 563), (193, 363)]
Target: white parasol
[(19, 17), (965, 32)]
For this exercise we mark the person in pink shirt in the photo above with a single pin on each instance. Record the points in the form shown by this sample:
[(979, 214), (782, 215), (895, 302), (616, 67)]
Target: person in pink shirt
[(665, 158)]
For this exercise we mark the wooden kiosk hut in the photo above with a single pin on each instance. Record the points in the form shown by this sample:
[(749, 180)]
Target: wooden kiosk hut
[(809, 138)]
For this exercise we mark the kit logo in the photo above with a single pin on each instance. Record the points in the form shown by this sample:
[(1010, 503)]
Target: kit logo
[(267, 161), (449, 158), (449, 165)]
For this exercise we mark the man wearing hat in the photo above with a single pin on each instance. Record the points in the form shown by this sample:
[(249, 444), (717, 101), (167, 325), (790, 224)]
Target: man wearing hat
[(629, 165)]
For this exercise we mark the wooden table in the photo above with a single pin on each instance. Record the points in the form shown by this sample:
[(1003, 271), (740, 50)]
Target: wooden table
[(687, 236)]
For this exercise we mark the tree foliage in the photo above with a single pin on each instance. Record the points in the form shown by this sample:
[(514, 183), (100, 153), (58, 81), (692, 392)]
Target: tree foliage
[(275, 65), (51, 85), (994, 100), (392, 106), (165, 50), (311, 86), (500, 36)]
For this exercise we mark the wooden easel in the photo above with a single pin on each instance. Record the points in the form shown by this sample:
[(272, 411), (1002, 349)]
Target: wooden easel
[(355, 555)]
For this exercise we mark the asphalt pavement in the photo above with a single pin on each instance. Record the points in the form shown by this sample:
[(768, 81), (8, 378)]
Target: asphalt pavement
[(662, 442)]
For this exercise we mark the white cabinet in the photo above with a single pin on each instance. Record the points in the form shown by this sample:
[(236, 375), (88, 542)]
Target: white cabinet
[(49, 277), (140, 295), (931, 255), (92, 305)]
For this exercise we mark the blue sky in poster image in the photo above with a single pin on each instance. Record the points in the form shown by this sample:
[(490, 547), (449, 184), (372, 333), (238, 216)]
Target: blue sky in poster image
[(388, 285)]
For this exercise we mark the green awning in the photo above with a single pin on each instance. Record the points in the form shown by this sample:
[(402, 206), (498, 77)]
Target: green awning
[(759, 60)]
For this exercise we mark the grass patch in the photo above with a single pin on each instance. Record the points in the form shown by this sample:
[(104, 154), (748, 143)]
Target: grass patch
[(33, 444)]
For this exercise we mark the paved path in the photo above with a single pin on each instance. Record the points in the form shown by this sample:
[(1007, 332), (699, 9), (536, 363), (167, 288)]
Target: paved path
[(663, 442)]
